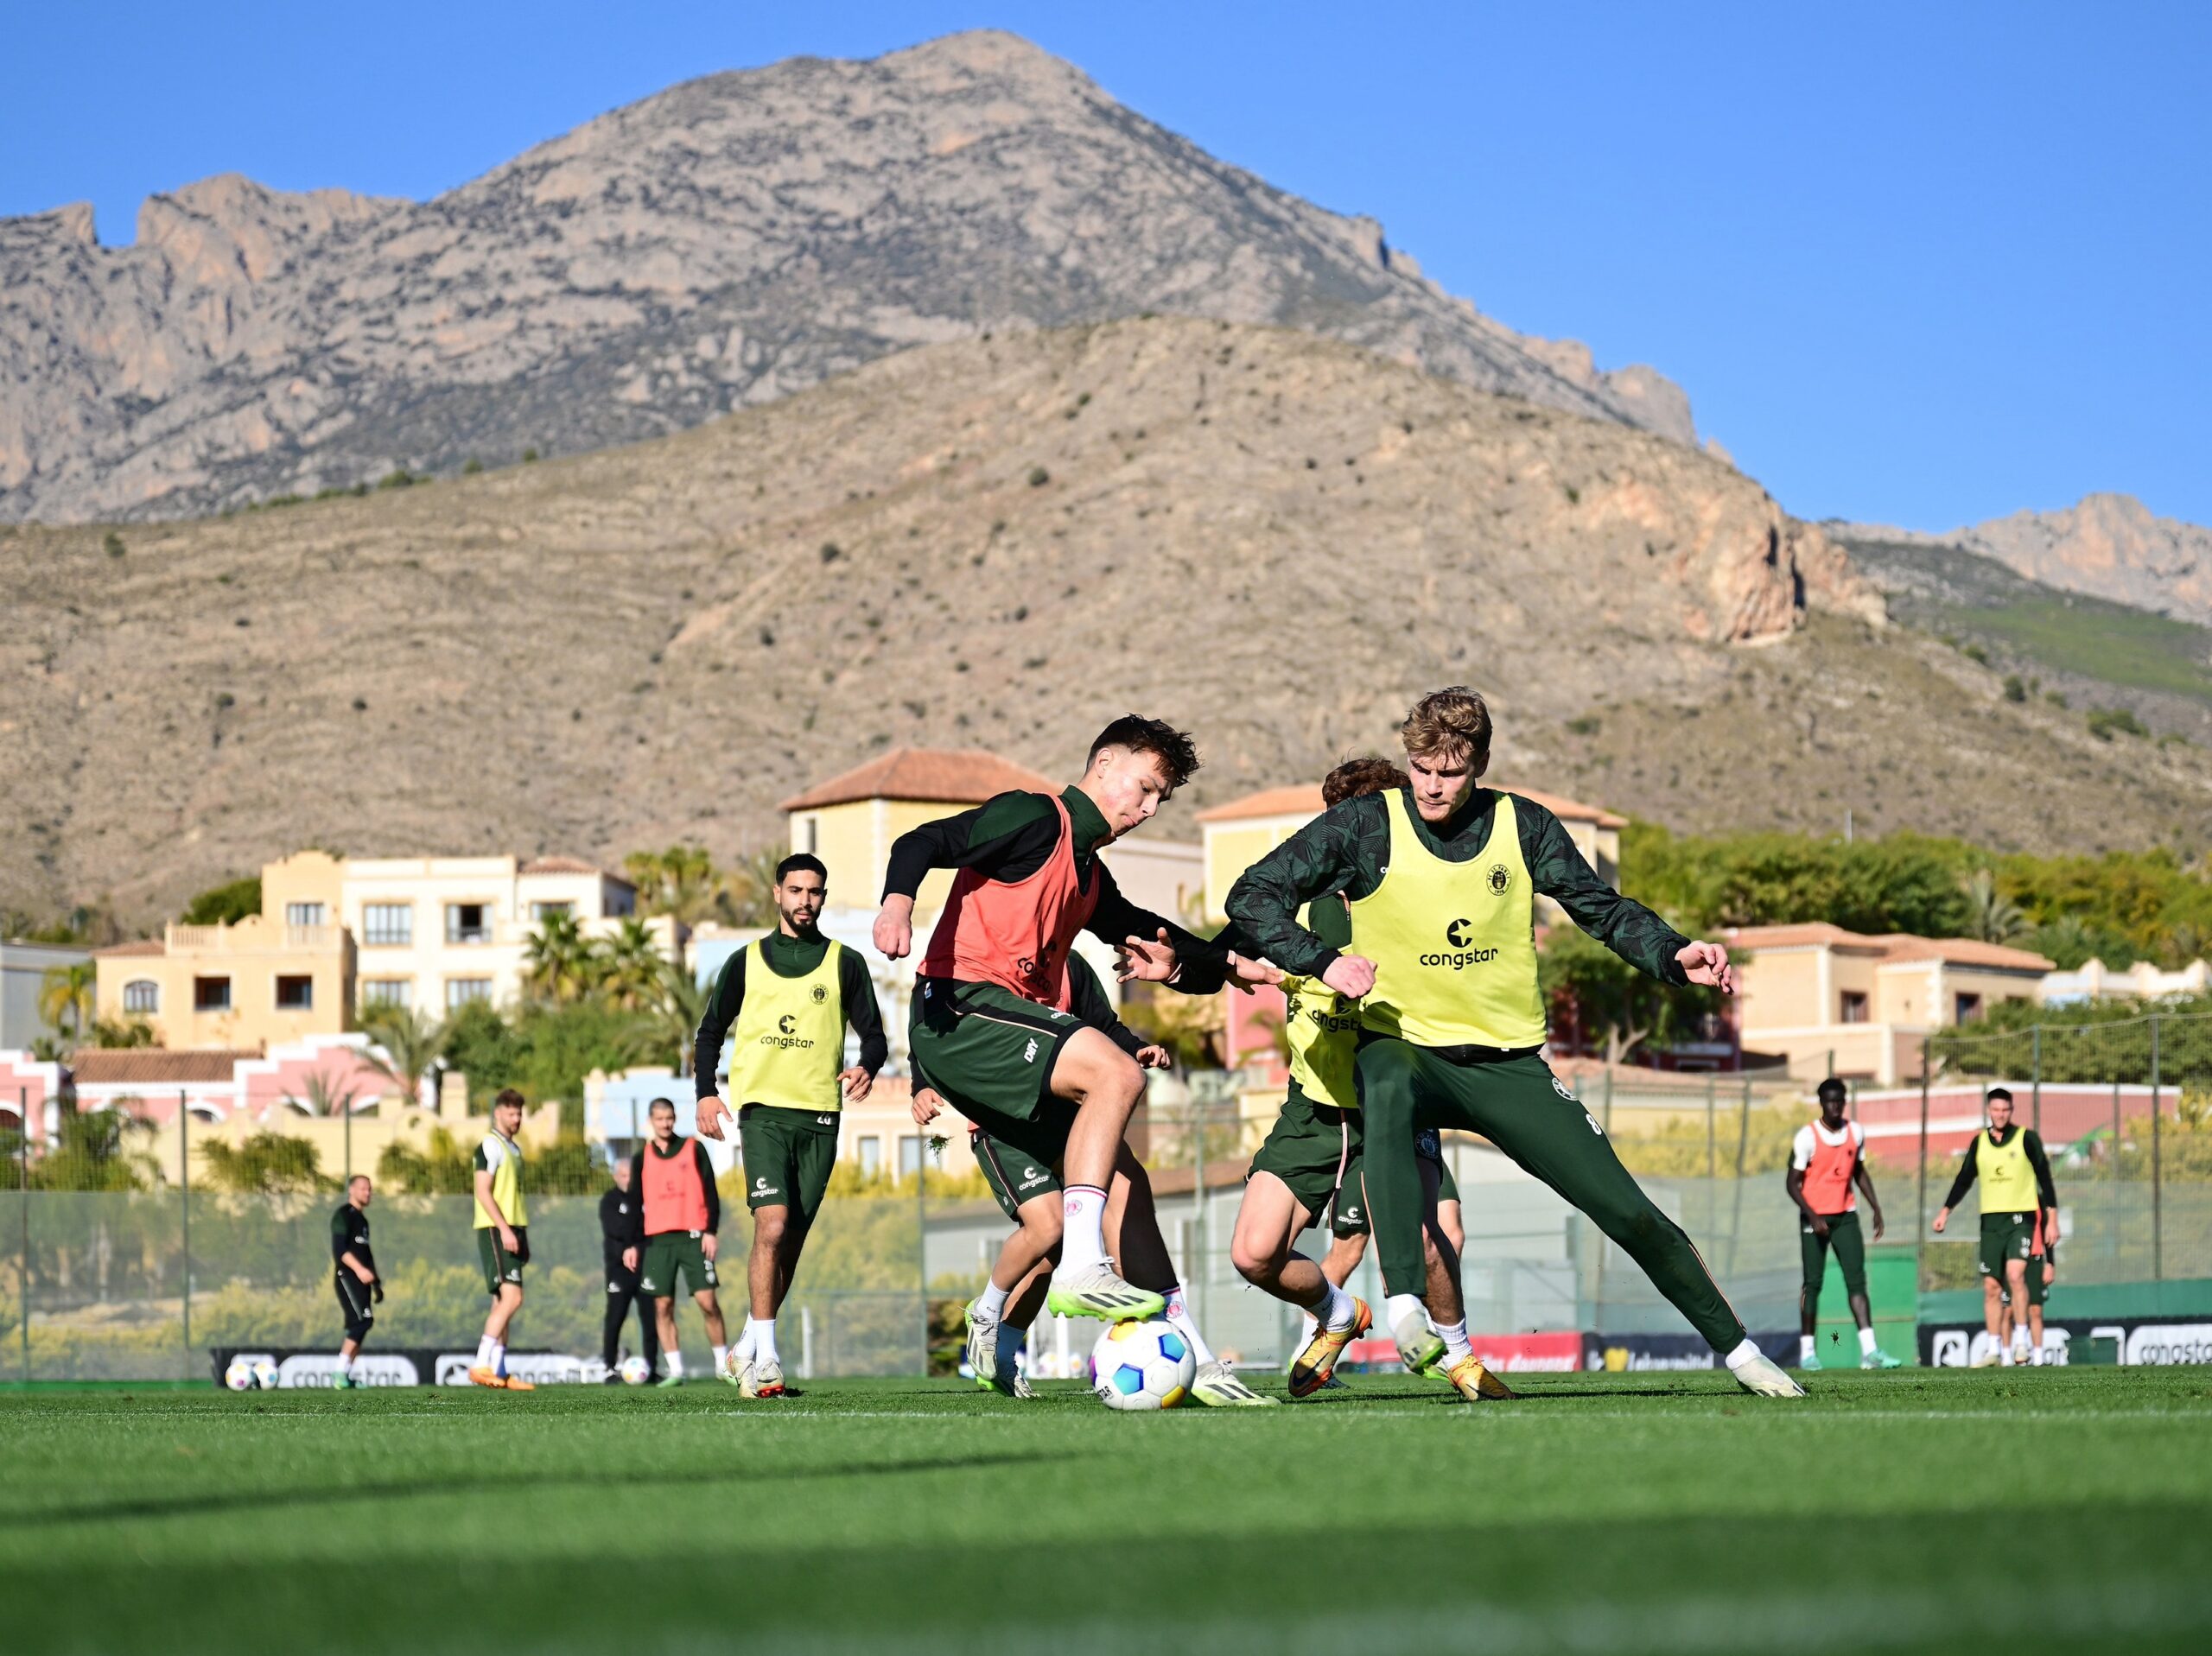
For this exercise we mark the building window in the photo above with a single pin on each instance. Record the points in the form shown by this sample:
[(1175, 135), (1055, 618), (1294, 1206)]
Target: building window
[(910, 1153), (806, 824), (388, 925), (1854, 1005), (294, 992), (469, 922), (871, 1156), (141, 995), (620, 900), (465, 991), (304, 914), (388, 991), (1966, 1008), (210, 994), (540, 912)]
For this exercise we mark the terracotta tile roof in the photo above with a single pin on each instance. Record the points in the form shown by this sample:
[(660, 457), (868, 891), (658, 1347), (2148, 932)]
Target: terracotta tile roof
[(1305, 797), (153, 1067), (143, 946), (1301, 798), (965, 775), (1889, 945), (569, 866)]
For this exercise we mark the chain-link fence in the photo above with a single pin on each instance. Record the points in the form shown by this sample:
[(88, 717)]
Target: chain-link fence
[(118, 1261)]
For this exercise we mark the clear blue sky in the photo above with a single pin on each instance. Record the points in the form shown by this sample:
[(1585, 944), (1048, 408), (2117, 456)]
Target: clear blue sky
[(1923, 264)]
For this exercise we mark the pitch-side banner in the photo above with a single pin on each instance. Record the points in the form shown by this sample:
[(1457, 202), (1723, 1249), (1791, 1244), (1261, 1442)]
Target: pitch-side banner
[(1620, 1354), (2150, 1340), (1509, 1353), (424, 1366)]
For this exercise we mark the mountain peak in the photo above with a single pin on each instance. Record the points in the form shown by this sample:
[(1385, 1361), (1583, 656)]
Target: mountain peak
[(722, 242), (2110, 546)]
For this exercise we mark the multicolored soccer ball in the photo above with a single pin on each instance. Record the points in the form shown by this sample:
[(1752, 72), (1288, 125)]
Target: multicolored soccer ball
[(635, 1371), (239, 1375), (1142, 1365), (265, 1373)]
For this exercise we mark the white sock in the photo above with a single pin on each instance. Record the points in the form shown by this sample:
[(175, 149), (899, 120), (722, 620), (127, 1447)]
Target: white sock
[(1745, 1353), (722, 1358), (1455, 1340), (745, 1342), (1804, 1348), (1398, 1307), (1083, 1236), (2004, 1356), (675, 1363), (1866, 1342), (764, 1341), (1307, 1324), (1179, 1318), (990, 1305), (499, 1356), (486, 1350)]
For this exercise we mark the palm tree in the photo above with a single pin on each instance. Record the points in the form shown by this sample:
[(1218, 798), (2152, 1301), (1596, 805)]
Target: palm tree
[(630, 966), (408, 1046), (65, 996), (1992, 918), (681, 881), (2065, 940), (679, 1002), (325, 1097), (745, 897), (559, 962)]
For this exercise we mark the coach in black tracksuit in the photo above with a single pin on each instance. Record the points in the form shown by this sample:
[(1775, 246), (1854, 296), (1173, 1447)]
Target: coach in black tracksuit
[(618, 1217)]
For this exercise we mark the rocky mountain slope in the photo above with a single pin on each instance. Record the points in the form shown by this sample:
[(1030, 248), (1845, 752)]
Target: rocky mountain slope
[(2109, 546), (1276, 539), (725, 243)]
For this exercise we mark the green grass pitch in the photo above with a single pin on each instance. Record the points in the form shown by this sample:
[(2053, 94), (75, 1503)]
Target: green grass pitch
[(2064, 1509)]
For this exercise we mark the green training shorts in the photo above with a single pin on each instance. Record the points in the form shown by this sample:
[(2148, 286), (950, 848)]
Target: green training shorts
[(1849, 1243), (788, 1156), (988, 1050), (674, 1256), (1305, 1149), (499, 1265), (1017, 1174), (2005, 1236)]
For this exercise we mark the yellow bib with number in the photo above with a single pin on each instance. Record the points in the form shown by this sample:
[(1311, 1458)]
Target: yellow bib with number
[(1453, 944), (790, 1036), (2008, 1178)]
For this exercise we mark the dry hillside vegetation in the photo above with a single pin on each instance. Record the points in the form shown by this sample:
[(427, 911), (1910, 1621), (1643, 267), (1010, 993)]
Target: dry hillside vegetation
[(1273, 538)]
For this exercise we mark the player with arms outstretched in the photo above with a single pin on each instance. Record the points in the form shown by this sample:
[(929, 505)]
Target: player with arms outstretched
[(992, 1025), (1442, 878)]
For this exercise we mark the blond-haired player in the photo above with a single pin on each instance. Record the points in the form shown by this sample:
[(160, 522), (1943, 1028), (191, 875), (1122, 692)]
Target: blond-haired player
[(1442, 878)]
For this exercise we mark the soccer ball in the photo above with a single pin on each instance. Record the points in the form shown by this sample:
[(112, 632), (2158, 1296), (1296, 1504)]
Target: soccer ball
[(239, 1375), (1142, 1365), (635, 1371), (265, 1373)]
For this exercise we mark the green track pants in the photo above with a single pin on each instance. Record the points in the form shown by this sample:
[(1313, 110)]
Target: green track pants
[(1520, 1106)]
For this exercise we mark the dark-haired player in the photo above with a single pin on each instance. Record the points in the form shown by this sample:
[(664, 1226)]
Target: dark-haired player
[(502, 1239), (789, 997), (992, 1026), (1827, 1158), (2016, 1192)]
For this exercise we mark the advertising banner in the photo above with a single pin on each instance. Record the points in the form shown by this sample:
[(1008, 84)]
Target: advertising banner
[(422, 1367), (1509, 1354), (2158, 1340), (1628, 1354)]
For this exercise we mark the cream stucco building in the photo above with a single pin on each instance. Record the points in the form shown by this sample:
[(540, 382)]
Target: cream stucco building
[(1823, 996)]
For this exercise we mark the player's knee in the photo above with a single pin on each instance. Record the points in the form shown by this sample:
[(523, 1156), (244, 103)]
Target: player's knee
[(1254, 1262), (1386, 1090), (769, 1225)]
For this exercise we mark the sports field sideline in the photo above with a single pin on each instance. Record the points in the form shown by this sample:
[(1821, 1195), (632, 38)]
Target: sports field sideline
[(1925, 1510)]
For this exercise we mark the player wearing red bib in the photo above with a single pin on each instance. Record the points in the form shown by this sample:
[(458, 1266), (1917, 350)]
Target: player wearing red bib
[(1827, 1159)]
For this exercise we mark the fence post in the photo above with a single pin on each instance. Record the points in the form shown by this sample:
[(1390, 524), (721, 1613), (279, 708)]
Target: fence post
[(2036, 1081), (921, 1237), (2115, 1122), (1736, 1212), (23, 1194), (1195, 1268), (2158, 1215), (1711, 1161), (184, 1217), (1920, 1196)]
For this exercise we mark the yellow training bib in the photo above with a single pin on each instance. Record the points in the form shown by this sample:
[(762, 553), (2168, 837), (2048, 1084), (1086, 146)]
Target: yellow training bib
[(2008, 1178), (502, 1159), (1454, 944), (790, 1036), (1323, 1030)]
